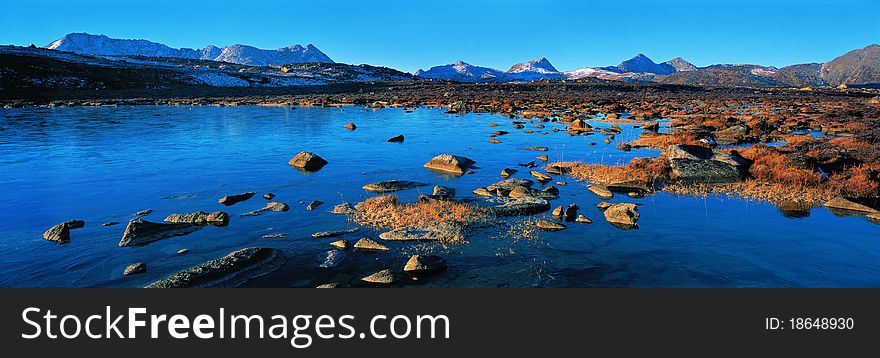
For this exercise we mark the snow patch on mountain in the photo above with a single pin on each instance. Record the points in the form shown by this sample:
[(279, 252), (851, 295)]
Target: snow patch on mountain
[(83, 43)]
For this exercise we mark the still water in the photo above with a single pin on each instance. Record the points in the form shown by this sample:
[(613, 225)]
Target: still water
[(102, 164)]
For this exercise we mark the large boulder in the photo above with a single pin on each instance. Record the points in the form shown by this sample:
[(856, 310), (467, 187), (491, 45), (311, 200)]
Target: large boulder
[(217, 218), (140, 232), (450, 163), (622, 214), (510, 184), (526, 205), (369, 245), (61, 232), (228, 271), (579, 126), (704, 171), (391, 186), (307, 161), (732, 135)]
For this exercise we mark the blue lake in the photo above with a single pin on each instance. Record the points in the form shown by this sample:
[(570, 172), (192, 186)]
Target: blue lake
[(102, 164)]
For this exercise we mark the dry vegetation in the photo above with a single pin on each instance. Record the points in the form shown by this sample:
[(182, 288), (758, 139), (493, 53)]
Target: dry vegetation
[(649, 170), (661, 141), (448, 219)]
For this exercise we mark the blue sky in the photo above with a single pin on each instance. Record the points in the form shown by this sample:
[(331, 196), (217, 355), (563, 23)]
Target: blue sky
[(409, 35)]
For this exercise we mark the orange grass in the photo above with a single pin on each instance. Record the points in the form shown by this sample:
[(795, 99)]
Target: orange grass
[(449, 219), (662, 141)]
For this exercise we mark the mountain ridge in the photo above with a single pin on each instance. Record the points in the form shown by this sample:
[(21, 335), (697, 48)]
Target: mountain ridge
[(87, 44)]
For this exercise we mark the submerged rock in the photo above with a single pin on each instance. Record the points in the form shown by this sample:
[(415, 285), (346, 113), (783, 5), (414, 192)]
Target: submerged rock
[(623, 214), (140, 232), (329, 285), (350, 126), (548, 225), (144, 212), (307, 161), (135, 268), (629, 186), (235, 199), (506, 172), (268, 196), (218, 218), (846, 204), (110, 223), (326, 234), (61, 232), (275, 236), (228, 271), (601, 191), (270, 206), (369, 245), (332, 258), (450, 163), (527, 205), (392, 186), (383, 277), (540, 149), (425, 264)]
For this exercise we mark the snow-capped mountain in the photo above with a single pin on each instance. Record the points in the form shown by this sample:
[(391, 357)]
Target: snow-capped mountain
[(462, 72), (87, 44), (642, 64), (532, 70), (591, 72)]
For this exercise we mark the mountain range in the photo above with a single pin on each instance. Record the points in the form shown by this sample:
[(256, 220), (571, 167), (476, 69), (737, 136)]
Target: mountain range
[(857, 67), (87, 44)]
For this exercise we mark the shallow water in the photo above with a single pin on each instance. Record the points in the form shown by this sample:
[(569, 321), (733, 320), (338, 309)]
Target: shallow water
[(102, 164)]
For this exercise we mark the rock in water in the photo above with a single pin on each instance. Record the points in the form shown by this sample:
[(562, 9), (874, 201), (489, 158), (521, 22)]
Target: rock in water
[(61, 232), (326, 234), (579, 126), (307, 161), (228, 271), (506, 172), (370, 245), (332, 258), (425, 264), (314, 205), (396, 139), (392, 186), (650, 126), (510, 184), (341, 244), (527, 205), (136, 268), (344, 209), (450, 163), (270, 206), (704, 171), (140, 232), (570, 212), (350, 126), (409, 235), (846, 204), (875, 217), (329, 285), (601, 191), (217, 218), (268, 196), (384, 277), (603, 205), (540, 149), (144, 212), (583, 220), (543, 178), (443, 192), (623, 214), (548, 225), (235, 199)]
